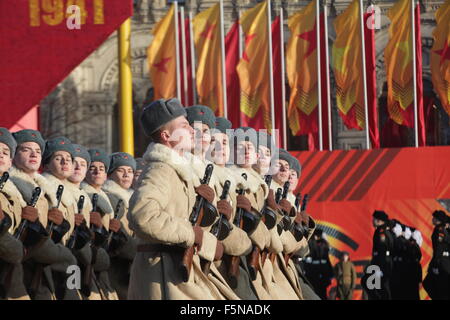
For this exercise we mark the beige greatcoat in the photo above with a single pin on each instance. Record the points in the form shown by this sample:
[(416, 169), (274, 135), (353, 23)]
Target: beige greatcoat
[(11, 249), (84, 255), (120, 263), (159, 214), (55, 256), (102, 260)]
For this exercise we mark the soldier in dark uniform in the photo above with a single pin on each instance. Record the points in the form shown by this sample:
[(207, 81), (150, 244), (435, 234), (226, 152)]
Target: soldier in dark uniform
[(412, 266), (437, 281), (318, 267), (398, 254), (383, 246)]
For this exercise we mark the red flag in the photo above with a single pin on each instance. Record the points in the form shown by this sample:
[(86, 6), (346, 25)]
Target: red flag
[(277, 76), (369, 37), (420, 115), (233, 87), (39, 50), (313, 138)]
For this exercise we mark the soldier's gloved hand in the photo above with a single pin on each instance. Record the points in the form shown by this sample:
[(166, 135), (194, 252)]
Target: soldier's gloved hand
[(285, 205), (206, 192), (224, 207), (270, 201), (305, 218), (219, 251), (198, 231), (114, 225), (298, 218), (96, 219), (55, 216), (30, 213), (243, 202), (79, 218)]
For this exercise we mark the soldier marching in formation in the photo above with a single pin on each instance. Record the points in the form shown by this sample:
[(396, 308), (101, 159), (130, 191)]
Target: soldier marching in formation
[(208, 212)]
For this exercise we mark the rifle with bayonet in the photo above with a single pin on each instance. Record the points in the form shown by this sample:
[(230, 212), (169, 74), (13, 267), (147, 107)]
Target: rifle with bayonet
[(203, 214), (57, 232), (79, 238), (222, 228), (233, 265), (116, 240)]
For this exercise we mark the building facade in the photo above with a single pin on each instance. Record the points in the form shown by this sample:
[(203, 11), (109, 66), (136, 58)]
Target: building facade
[(84, 106)]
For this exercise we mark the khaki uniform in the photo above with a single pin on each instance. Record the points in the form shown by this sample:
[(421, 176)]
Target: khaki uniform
[(159, 215), (119, 271), (11, 249), (102, 261), (345, 274), (52, 256)]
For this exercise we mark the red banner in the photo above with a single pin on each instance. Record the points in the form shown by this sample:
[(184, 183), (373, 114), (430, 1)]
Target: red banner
[(347, 186), (40, 45)]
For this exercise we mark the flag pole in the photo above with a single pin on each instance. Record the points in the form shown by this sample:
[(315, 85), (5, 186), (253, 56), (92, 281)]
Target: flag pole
[(183, 51), (241, 53), (319, 78), (222, 48), (327, 64), (177, 51), (126, 89), (269, 30), (191, 38), (364, 73), (283, 80), (413, 35), (241, 36)]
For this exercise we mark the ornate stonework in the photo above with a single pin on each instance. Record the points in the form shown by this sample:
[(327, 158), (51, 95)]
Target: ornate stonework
[(84, 106)]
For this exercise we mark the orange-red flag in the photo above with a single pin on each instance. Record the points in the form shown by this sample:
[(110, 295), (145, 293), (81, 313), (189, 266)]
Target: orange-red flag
[(440, 56), (347, 67), (399, 68), (253, 69), (209, 68), (162, 58), (301, 68)]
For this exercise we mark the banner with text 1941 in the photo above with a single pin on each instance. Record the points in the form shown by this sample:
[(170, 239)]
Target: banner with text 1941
[(42, 41), (346, 187)]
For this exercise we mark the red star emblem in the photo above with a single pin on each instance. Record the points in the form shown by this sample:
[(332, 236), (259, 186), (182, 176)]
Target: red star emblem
[(209, 31), (161, 66), (247, 41), (125, 157), (444, 53), (33, 135), (62, 142), (97, 153), (311, 37)]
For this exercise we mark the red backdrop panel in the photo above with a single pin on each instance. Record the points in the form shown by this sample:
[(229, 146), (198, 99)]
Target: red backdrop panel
[(345, 188), (38, 50)]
